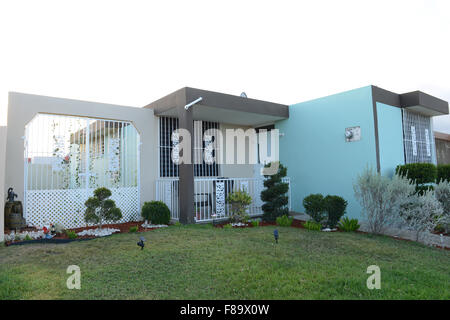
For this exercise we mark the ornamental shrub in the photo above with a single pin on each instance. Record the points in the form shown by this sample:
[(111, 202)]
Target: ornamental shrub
[(381, 197), (275, 194), (443, 172), (312, 225), (100, 208), (239, 200), (156, 212), (335, 208), (346, 224), (422, 213), (419, 173), (315, 207), (284, 221)]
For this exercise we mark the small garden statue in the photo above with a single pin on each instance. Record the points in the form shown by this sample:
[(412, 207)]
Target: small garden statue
[(11, 195)]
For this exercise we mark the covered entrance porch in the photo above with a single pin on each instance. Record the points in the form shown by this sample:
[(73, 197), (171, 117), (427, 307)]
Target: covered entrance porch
[(197, 192)]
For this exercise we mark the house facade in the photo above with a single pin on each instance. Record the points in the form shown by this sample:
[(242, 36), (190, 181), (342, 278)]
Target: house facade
[(57, 151)]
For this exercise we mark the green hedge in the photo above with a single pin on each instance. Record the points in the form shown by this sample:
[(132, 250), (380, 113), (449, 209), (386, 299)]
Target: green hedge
[(418, 172), (443, 172), (156, 212)]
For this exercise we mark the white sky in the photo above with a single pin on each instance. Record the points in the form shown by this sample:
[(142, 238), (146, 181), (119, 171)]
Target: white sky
[(134, 52)]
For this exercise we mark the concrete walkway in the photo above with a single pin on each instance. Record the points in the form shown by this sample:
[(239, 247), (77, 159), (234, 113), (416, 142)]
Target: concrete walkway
[(434, 239)]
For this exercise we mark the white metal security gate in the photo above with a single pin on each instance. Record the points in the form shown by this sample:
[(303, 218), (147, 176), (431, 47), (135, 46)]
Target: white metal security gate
[(418, 138), (67, 158)]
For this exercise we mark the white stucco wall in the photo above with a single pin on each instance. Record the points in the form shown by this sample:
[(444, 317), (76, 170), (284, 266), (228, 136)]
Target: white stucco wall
[(23, 107)]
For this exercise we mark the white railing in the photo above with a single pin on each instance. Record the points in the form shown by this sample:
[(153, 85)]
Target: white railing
[(210, 196)]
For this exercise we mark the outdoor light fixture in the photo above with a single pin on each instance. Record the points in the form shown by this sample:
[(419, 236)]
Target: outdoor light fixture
[(141, 243), (275, 234), (348, 134), (353, 134), (186, 107)]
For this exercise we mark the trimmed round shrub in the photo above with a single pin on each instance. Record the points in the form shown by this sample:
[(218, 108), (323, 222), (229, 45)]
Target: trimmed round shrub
[(419, 173), (314, 207), (443, 172), (156, 212), (335, 207)]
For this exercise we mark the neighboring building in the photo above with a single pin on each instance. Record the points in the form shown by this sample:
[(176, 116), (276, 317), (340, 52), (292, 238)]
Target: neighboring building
[(72, 147), (442, 147)]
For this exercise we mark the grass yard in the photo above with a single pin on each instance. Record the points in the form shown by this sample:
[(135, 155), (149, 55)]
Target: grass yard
[(200, 262)]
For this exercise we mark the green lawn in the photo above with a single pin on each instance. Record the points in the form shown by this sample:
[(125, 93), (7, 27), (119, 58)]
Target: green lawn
[(200, 262)]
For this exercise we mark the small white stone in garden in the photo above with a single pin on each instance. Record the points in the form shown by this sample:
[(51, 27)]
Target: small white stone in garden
[(326, 230), (98, 232), (147, 225), (22, 235), (238, 224)]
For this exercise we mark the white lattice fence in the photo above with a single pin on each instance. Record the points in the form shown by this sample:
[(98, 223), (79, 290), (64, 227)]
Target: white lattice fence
[(67, 206)]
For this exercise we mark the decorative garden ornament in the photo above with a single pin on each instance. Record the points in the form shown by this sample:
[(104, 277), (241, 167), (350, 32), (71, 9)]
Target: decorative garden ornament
[(11, 195)]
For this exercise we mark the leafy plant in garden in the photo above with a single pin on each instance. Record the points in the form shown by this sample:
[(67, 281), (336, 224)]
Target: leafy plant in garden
[(381, 197), (443, 172), (312, 225), (71, 234), (442, 193), (422, 213), (346, 224), (133, 229), (284, 221), (239, 200), (335, 208), (275, 195), (315, 207), (156, 212), (255, 223), (100, 208)]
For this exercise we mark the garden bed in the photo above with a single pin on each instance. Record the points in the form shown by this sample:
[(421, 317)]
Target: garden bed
[(64, 238)]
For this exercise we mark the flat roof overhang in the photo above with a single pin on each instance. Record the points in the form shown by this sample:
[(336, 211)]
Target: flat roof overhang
[(416, 101), (220, 107), (423, 103)]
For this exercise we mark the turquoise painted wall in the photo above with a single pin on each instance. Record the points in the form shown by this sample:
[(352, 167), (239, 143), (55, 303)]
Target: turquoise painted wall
[(313, 147), (390, 137)]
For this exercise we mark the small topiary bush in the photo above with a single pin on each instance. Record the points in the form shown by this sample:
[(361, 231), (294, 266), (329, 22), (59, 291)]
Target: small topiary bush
[(335, 207), (156, 212), (312, 225), (419, 173), (284, 221), (443, 172), (314, 207), (275, 194), (346, 224), (100, 208)]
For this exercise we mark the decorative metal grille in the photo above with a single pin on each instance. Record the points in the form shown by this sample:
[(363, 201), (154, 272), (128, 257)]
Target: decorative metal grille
[(167, 168), (67, 158), (417, 138)]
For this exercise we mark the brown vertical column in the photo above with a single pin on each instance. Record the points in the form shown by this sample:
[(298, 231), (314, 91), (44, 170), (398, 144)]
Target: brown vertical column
[(186, 171)]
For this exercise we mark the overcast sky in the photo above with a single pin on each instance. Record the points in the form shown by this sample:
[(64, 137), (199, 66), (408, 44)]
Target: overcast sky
[(134, 52)]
